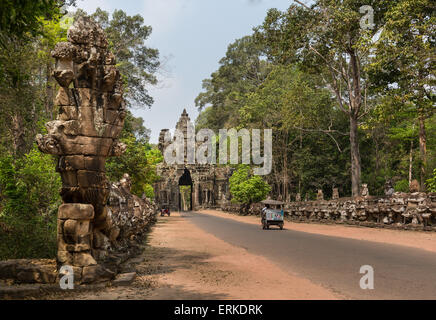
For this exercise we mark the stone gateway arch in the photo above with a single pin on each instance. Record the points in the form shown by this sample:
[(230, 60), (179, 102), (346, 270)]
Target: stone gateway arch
[(210, 183)]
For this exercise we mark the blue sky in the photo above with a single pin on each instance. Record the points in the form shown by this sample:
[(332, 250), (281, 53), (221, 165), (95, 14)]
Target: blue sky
[(192, 36)]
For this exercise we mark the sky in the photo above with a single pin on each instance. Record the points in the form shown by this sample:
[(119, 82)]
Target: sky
[(191, 36)]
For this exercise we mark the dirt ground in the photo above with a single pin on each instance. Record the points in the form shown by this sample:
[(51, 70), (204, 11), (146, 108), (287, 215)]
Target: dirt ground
[(181, 261), (184, 262), (416, 239)]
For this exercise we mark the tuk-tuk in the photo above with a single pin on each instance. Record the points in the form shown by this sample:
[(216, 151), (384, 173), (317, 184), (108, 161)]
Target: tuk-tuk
[(165, 211), (272, 214)]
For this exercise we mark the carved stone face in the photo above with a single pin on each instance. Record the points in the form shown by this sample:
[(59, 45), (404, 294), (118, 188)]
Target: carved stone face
[(126, 181), (365, 191)]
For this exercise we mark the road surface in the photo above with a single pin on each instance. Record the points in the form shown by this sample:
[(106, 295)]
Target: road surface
[(333, 262)]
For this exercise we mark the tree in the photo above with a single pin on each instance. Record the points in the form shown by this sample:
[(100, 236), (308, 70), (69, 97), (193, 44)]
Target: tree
[(137, 62), (299, 110), (28, 202), (246, 188), (402, 64), (431, 183), (324, 40), (241, 71), (139, 160), (17, 18)]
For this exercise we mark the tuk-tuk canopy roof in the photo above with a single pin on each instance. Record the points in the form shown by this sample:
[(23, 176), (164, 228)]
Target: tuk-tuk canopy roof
[(272, 202)]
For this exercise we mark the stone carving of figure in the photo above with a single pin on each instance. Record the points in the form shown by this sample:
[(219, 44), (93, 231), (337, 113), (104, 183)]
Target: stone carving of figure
[(320, 195), (414, 186), (84, 134), (389, 189), (298, 197), (335, 195), (365, 191)]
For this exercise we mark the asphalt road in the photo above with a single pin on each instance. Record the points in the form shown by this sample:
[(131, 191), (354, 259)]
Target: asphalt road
[(333, 262)]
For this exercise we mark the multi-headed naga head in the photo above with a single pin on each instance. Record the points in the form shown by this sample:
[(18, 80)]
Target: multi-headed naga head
[(91, 114)]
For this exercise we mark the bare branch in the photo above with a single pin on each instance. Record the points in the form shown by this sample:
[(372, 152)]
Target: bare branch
[(327, 132), (301, 3)]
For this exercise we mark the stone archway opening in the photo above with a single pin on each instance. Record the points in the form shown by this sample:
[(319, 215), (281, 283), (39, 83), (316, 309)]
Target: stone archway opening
[(185, 191)]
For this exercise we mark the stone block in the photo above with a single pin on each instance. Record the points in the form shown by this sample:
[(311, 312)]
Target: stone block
[(99, 255), (124, 279), (70, 229), (113, 130), (8, 269), (83, 228), (73, 229), (115, 101), (60, 226), (86, 114), (77, 273), (110, 116), (91, 129), (65, 257), (78, 247), (99, 240), (97, 273), (69, 178), (67, 113), (76, 211), (64, 98), (90, 179), (88, 146), (114, 233), (72, 128), (83, 259), (76, 162), (95, 164), (61, 244), (111, 75), (85, 97)]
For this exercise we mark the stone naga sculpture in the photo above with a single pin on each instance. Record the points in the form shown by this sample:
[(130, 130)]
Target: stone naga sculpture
[(91, 117)]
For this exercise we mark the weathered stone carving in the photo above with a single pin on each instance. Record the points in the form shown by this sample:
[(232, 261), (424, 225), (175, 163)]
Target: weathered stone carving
[(335, 194), (413, 210), (91, 117), (416, 211), (365, 191), (320, 195), (414, 186), (389, 189), (209, 183)]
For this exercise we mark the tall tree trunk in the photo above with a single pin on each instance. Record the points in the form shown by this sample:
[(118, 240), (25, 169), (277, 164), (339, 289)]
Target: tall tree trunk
[(355, 157), (17, 129), (355, 93), (410, 162), (49, 90), (422, 150), (285, 168)]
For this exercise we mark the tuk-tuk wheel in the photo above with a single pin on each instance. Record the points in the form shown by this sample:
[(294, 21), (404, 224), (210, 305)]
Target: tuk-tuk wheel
[(281, 227)]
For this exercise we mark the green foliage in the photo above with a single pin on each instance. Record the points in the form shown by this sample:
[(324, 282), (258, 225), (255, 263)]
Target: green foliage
[(139, 160), (307, 73), (402, 186), (29, 201), (241, 71), (137, 62), (247, 188), (19, 17), (431, 183)]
